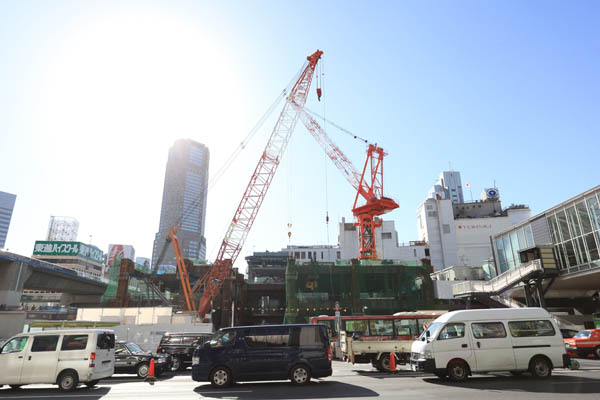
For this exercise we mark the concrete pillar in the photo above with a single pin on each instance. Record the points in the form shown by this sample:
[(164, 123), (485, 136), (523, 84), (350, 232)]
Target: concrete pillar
[(540, 293), (13, 275), (528, 298)]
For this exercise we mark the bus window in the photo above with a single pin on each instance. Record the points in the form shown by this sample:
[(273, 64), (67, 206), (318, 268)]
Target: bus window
[(359, 326), (424, 324), (406, 327), (381, 327)]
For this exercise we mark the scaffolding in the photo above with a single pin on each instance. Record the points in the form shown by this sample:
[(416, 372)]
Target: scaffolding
[(362, 287)]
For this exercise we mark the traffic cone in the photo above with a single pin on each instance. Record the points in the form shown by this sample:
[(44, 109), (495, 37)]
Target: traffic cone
[(151, 376), (392, 362)]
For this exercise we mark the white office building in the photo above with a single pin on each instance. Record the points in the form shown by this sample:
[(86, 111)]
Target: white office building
[(458, 233)]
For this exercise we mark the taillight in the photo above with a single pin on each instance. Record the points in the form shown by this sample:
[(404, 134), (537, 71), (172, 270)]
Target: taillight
[(158, 349), (329, 353), (92, 358)]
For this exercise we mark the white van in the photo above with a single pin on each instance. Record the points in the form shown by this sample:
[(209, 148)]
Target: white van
[(461, 343), (62, 357)]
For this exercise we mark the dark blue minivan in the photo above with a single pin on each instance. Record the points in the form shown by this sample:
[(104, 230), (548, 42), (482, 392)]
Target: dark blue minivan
[(262, 353)]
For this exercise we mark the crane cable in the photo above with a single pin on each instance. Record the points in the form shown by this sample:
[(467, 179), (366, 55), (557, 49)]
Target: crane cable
[(346, 131)]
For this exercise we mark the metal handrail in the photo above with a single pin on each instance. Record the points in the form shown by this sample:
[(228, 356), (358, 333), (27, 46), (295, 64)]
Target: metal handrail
[(499, 283)]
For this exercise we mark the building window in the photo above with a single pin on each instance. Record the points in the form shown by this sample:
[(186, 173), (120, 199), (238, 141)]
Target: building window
[(386, 235), (426, 252), (338, 255)]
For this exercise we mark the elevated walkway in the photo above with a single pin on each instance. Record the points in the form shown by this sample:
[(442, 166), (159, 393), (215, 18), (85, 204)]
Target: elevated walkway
[(501, 283)]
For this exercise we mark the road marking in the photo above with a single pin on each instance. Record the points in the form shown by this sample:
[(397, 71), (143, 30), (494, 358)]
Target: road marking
[(62, 396), (231, 391)]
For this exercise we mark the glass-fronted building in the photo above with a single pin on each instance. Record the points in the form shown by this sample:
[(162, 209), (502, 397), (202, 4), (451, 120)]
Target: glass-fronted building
[(572, 228), (184, 203)]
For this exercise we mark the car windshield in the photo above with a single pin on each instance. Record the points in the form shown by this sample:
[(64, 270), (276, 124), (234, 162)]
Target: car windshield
[(222, 338), (433, 330), (134, 348), (583, 334)]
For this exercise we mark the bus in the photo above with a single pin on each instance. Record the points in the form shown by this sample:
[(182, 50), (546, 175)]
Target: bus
[(401, 325)]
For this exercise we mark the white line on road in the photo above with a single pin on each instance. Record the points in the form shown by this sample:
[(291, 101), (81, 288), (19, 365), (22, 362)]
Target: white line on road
[(62, 396)]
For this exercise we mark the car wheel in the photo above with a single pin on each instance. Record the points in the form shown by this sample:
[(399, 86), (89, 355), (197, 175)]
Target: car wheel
[(597, 351), (220, 377), (93, 383), (142, 370), (15, 386), (540, 367), (300, 375), (384, 363), (68, 381), (458, 371), (177, 364)]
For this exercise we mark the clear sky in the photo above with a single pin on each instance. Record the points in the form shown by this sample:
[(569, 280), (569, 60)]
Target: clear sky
[(93, 94)]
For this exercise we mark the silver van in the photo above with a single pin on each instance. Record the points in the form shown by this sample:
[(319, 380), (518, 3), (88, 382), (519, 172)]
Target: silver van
[(62, 357)]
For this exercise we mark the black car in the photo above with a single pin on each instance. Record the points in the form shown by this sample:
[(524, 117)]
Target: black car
[(262, 353), (132, 359), (181, 347)]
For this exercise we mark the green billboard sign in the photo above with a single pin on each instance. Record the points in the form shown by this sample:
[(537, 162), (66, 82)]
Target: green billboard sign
[(74, 249)]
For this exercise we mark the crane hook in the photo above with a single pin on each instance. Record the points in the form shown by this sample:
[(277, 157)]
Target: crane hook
[(319, 93)]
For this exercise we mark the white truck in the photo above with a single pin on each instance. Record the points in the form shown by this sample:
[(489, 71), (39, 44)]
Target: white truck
[(375, 351), (372, 339)]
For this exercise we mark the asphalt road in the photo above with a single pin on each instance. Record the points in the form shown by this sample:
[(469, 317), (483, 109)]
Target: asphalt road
[(347, 382)]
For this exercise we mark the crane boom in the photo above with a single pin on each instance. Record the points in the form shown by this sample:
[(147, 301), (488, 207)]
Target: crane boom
[(336, 155), (368, 185), (257, 188)]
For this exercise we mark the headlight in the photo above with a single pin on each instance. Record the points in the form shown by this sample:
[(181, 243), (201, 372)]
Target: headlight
[(426, 354), (195, 360)]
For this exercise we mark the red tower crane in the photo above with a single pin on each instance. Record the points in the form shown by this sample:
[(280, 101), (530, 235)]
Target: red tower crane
[(368, 185), (244, 216)]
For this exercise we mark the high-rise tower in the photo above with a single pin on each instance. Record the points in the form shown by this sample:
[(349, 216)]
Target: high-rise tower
[(7, 203), (184, 202)]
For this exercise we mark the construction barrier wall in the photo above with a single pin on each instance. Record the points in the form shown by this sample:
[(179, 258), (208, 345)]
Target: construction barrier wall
[(377, 287)]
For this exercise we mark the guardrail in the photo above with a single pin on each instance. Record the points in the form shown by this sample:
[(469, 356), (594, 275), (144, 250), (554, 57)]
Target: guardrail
[(500, 283)]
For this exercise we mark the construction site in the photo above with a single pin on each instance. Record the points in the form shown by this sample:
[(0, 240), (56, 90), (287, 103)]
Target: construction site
[(218, 292)]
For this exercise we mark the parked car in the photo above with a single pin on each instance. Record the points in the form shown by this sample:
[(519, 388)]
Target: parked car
[(460, 343), (584, 343), (132, 359), (62, 357), (180, 346), (264, 352)]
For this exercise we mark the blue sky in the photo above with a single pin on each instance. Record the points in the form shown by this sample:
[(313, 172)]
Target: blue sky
[(93, 94)]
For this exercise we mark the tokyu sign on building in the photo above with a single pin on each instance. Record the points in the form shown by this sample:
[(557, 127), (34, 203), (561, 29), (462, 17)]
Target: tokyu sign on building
[(75, 249)]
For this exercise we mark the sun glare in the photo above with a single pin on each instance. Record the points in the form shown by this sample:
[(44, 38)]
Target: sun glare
[(131, 77)]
